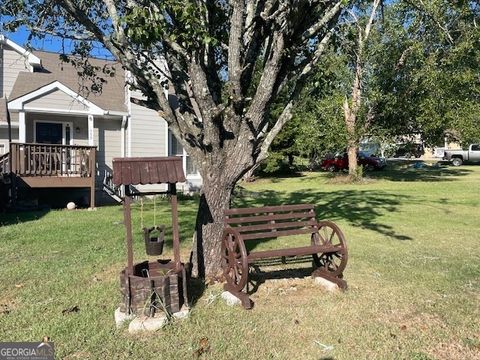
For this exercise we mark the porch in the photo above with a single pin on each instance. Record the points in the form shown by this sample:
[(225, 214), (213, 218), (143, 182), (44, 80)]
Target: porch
[(50, 166)]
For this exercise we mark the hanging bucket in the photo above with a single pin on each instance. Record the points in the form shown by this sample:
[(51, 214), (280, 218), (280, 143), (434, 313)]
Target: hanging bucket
[(154, 238)]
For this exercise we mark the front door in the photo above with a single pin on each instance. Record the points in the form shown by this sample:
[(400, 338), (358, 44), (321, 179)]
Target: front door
[(49, 133), (55, 134)]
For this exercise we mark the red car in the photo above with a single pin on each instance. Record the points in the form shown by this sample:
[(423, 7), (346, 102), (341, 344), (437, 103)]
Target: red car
[(340, 162)]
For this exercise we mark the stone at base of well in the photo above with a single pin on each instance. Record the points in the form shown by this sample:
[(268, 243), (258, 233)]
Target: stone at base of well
[(326, 284), (230, 299), (182, 314), (121, 317), (147, 323), (143, 323)]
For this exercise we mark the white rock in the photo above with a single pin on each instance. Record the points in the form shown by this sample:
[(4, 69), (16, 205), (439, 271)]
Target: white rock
[(230, 298), (182, 314), (147, 324), (121, 317), (71, 205), (327, 285)]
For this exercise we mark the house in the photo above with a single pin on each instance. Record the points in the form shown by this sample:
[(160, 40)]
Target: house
[(63, 134)]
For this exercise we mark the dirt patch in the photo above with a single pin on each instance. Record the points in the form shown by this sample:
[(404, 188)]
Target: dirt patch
[(110, 273), (453, 351), (78, 355), (8, 303), (349, 179)]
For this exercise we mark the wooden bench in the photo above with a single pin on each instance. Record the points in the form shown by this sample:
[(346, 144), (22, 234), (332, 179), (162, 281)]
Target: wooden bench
[(327, 243)]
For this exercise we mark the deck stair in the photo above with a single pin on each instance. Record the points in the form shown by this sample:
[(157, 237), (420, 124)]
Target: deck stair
[(5, 182), (113, 191)]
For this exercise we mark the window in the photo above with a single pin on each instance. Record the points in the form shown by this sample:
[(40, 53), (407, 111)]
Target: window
[(191, 167), (176, 149), (476, 147)]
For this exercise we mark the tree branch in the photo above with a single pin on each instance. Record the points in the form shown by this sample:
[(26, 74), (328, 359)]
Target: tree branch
[(287, 114), (235, 50)]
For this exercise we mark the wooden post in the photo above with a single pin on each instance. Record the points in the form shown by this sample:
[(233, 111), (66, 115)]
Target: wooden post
[(176, 236), (93, 173), (127, 219)]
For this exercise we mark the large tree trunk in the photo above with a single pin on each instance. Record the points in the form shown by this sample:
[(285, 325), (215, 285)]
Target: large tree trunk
[(215, 199)]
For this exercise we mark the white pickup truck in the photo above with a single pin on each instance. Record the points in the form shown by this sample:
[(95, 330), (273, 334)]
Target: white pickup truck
[(458, 157)]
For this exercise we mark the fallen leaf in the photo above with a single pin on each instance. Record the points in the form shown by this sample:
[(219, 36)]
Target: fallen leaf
[(403, 327), (204, 347), (18, 286), (70, 310)]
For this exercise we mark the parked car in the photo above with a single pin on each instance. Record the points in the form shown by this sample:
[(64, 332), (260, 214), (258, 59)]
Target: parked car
[(340, 162), (409, 150), (458, 157)]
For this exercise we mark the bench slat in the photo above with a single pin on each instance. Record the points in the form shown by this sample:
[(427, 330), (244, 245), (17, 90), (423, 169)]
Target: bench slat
[(274, 234), (274, 226), (266, 209), (300, 251), (253, 219)]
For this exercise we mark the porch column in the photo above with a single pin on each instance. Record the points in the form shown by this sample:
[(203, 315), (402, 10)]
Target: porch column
[(21, 127), (122, 136), (90, 130)]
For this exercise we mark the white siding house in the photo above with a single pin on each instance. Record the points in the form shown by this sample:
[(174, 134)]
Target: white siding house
[(49, 104)]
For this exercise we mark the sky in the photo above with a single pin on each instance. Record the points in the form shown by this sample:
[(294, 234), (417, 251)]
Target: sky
[(21, 36), (49, 43)]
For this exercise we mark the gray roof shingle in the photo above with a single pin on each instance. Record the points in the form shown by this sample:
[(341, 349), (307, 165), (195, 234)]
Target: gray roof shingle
[(112, 96)]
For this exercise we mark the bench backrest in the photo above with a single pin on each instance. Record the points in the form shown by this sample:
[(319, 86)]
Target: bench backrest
[(272, 221)]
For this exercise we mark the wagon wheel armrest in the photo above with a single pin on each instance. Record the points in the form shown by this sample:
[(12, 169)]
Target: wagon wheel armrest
[(232, 231), (333, 229)]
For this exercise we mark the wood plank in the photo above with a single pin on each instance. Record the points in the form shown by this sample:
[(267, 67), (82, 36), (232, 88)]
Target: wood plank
[(254, 219), (273, 226), (299, 251), (265, 209), (275, 234), (55, 181)]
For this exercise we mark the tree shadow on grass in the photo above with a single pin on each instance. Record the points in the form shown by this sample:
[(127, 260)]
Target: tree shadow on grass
[(408, 172), (21, 217), (360, 208), (258, 277)]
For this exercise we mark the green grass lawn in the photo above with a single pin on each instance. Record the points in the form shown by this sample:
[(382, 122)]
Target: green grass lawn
[(413, 275)]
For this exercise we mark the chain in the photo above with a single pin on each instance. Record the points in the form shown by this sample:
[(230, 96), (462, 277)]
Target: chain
[(141, 213), (155, 210)]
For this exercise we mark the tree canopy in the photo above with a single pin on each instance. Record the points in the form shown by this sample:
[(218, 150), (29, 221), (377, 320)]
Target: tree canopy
[(227, 62)]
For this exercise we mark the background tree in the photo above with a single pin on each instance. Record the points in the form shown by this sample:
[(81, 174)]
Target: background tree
[(215, 108), (426, 70), (420, 78), (352, 106)]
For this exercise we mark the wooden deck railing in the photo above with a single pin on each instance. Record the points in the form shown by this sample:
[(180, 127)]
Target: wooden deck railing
[(52, 160), (4, 164)]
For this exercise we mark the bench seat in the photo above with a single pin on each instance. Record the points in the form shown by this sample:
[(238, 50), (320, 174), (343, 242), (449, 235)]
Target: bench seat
[(327, 245)]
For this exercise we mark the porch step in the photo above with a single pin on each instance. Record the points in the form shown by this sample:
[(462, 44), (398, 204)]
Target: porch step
[(110, 188)]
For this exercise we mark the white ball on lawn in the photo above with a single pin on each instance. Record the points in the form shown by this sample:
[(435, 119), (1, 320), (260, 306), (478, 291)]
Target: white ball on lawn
[(71, 205)]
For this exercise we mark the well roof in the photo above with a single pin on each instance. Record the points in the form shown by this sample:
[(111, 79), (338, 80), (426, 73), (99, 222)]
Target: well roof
[(147, 170)]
